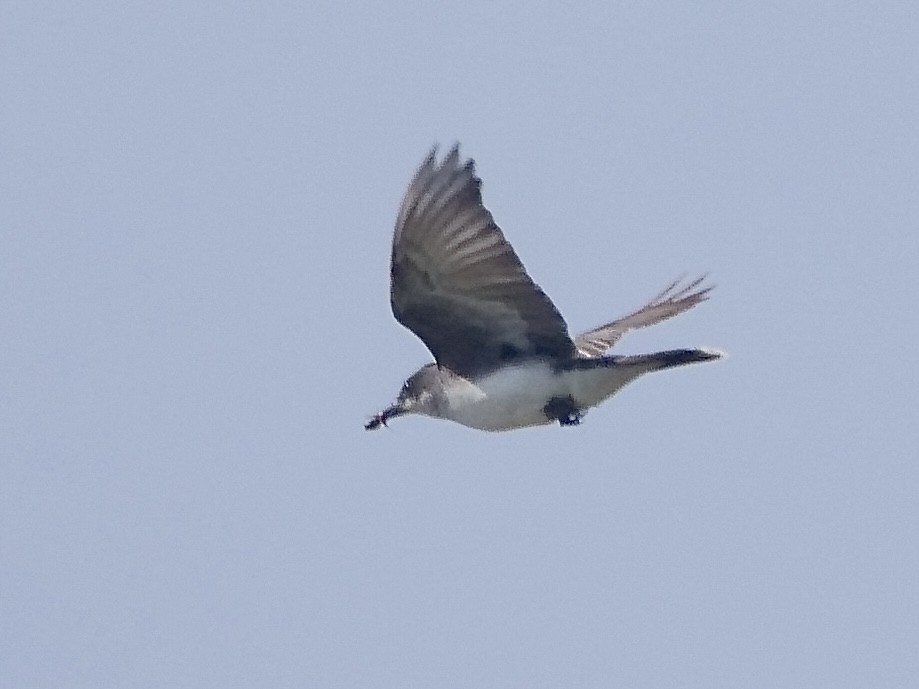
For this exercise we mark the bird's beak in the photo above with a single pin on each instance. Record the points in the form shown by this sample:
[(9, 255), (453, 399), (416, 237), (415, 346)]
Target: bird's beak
[(380, 419)]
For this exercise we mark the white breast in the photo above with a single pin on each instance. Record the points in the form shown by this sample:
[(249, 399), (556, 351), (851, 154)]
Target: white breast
[(514, 396)]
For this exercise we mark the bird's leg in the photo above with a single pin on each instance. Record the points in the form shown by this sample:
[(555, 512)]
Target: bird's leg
[(564, 410)]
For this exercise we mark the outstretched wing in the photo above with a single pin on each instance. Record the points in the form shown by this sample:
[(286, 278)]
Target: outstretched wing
[(671, 301), (456, 281)]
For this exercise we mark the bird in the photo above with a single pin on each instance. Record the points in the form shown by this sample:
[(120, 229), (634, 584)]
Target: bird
[(503, 357)]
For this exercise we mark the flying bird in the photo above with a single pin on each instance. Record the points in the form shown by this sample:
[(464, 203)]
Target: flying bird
[(503, 358)]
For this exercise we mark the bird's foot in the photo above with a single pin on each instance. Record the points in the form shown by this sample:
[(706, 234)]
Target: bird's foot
[(564, 410), (571, 419)]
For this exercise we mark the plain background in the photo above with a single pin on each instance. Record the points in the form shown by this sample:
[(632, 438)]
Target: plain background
[(196, 204)]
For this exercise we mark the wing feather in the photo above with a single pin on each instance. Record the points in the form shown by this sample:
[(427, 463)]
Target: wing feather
[(671, 301), (457, 283)]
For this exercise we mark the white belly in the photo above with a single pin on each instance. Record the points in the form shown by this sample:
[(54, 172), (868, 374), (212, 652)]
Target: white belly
[(514, 397)]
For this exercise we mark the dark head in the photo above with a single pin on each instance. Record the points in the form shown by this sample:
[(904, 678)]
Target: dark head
[(416, 397)]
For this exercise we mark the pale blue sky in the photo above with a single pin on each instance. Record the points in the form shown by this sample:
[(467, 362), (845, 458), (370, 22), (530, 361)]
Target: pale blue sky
[(196, 202)]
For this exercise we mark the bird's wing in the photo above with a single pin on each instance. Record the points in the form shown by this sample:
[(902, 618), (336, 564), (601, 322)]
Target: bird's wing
[(456, 281), (673, 300)]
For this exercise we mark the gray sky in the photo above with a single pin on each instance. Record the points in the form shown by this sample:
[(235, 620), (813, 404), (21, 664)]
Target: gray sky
[(196, 204)]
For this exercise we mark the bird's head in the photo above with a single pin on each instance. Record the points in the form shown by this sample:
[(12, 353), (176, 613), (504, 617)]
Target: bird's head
[(416, 397)]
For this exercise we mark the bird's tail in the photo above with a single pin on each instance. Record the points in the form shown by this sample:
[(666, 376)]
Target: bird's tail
[(592, 387), (658, 361)]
